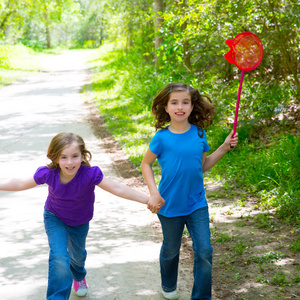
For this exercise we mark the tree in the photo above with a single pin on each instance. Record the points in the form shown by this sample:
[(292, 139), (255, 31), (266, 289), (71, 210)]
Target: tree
[(12, 16), (281, 26), (158, 23)]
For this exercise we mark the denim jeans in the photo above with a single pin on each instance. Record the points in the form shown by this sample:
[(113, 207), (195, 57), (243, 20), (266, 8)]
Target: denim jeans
[(67, 255), (197, 224)]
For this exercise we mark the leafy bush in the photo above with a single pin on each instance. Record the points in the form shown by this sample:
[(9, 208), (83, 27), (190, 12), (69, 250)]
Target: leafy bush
[(266, 162), (90, 44), (4, 53), (15, 56), (17, 61)]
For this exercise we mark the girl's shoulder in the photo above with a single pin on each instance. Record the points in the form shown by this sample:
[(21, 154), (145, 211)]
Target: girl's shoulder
[(192, 131), (193, 126), (44, 170), (162, 130), (90, 174), (44, 174), (160, 134), (92, 171), (199, 130)]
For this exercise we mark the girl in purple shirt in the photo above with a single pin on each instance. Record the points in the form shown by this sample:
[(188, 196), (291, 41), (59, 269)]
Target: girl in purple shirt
[(69, 208)]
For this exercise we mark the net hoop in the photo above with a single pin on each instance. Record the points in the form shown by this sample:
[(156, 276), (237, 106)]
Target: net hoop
[(246, 51)]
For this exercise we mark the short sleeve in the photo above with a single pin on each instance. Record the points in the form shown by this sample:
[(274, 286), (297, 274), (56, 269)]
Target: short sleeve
[(206, 146), (155, 144), (41, 175), (97, 175)]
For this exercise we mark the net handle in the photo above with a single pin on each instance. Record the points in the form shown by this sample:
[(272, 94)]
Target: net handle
[(238, 103)]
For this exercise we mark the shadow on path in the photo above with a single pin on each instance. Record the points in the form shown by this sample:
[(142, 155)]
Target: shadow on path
[(122, 245)]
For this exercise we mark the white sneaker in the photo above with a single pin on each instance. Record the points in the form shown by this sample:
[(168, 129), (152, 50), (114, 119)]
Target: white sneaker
[(170, 295)]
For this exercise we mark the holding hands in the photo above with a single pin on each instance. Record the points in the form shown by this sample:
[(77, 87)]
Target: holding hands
[(155, 203)]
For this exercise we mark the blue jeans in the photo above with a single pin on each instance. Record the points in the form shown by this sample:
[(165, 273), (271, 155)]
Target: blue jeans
[(67, 255), (197, 224)]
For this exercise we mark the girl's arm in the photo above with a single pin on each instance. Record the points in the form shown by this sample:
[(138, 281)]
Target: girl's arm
[(17, 184), (212, 159), (156, 201), (122, 191)]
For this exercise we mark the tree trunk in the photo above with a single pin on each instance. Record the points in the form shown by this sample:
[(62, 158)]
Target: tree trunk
[(186, 44), (158, 8), (101, 31), (5, 20), (47, 26)]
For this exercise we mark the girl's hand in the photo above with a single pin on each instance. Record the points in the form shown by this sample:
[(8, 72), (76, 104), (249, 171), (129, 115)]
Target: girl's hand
[(155, 203), (230, 141)]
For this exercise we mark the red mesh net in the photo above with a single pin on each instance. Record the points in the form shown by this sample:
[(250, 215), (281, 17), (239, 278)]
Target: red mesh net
[(246, 51)]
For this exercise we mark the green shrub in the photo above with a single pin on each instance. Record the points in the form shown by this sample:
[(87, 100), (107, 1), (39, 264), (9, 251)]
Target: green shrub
[(266, 162)]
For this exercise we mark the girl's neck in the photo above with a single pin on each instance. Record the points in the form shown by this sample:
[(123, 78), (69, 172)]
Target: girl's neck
[(65, 179), (179, 128)]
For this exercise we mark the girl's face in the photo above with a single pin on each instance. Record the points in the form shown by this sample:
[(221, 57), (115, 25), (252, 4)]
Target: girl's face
[(70, 161), (179, 106)]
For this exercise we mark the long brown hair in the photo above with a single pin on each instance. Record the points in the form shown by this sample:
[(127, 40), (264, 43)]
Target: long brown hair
[(60, 142), (203, 111)]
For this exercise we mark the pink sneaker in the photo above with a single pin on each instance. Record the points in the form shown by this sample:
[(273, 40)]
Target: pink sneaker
[(80, 287)]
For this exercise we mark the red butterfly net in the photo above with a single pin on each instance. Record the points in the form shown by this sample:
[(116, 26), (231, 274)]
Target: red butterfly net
[(246, 52)]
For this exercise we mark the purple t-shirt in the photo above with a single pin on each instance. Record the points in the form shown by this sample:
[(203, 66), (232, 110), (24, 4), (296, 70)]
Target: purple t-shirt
[(72, 202)]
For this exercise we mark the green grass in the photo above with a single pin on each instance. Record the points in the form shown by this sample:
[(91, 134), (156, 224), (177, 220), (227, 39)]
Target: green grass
[(295, 246), (265, 164), (279, 279), (267, 257), (224, 237), (17, 61)]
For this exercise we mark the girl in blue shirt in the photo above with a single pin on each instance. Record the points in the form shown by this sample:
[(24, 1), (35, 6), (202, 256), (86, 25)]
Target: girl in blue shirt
[(180, 149)]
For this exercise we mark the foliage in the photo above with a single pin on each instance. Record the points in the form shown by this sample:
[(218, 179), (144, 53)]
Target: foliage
[(267, 257), (50, 23), (17, 56), (269, 171), (4, 51), (17, 61), (193, 35), (266, 163)]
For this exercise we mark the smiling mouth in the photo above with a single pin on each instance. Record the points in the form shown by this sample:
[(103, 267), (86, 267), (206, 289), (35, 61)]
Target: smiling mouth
[(180, 113), (70, 169)]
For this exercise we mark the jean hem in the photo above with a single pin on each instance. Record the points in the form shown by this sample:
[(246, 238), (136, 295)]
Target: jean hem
[(169, 290)]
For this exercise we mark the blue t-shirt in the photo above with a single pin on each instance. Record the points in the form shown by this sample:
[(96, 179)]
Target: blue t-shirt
[(180, 158), (72, 202)]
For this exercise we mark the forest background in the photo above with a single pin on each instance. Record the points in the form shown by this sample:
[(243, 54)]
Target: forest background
[(140, 46), (145, 44)]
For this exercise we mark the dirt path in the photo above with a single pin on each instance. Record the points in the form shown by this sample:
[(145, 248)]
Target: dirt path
[(257, 256), (123, 243)]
